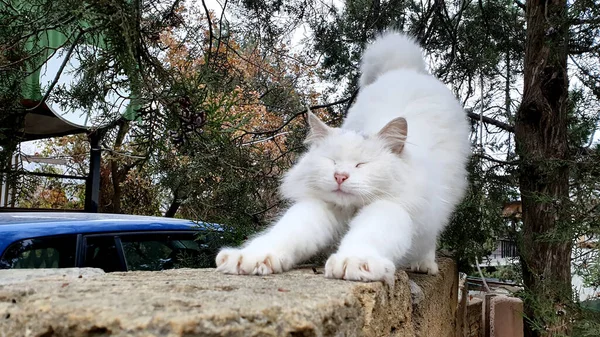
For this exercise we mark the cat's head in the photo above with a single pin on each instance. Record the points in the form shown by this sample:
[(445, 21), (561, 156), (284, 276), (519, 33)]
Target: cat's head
[(345, 167)]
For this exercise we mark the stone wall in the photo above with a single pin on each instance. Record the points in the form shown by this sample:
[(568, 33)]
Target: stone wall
[(187, 302)]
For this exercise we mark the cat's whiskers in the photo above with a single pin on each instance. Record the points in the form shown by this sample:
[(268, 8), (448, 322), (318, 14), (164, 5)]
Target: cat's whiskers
[(383, 192), (363, 196), (365, 193)]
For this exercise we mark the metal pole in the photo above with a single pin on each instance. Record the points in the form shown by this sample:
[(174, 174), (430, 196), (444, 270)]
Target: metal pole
[(92, 185)]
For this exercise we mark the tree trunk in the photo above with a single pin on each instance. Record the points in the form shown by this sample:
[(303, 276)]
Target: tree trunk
[(173, 208), (175, 204), (541, 140)]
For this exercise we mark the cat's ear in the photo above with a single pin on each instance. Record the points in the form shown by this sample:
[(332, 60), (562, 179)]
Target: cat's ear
[(394, 134), (317, 129)]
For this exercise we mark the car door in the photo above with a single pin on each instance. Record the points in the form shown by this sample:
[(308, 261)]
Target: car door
[(102, 251), (166, 250), (148, 251)]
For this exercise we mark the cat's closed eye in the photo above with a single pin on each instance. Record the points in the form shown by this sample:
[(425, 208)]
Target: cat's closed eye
[(360, 164), (331, 160)]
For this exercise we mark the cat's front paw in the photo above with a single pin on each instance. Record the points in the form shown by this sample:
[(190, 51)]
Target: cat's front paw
[(243, 262), (425, 266), (365, 269)]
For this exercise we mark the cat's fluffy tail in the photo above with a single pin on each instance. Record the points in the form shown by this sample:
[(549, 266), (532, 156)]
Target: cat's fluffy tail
[(391, 50)]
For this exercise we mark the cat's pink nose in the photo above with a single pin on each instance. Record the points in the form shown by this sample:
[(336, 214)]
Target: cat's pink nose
[(340, 177)]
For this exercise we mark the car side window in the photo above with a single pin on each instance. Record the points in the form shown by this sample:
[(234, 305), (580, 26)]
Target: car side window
[(165, 251), (101, 252), (47, 252)]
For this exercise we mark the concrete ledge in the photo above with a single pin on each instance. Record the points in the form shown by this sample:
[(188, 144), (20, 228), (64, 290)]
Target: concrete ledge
[(27, 275), (189, 302), (440, 303)]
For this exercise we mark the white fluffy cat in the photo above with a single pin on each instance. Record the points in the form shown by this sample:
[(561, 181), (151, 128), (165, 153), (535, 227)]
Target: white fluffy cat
[(382, 186)]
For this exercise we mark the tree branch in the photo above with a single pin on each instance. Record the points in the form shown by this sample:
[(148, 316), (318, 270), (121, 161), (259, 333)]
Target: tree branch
[(221, 26), (498, 161), (578, 21), (297, 114), (520, 4), (210, 30), (61, 69), (350, 101), (578, 50), (488, 120)]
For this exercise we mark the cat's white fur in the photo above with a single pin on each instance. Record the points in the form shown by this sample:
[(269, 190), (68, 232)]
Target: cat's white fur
[(403, 148)]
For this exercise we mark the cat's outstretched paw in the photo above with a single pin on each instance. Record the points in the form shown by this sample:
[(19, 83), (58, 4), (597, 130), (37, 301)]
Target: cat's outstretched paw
[(366, 269), (425, 266), (242, 262)]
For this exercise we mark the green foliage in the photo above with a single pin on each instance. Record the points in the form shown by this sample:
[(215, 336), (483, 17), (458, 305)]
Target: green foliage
[(222, 182), (509, 272), (50, 193), (546, 312), (188, 86), (138, 194), (342, 37), (588, 325), (583, 117), (477, 222)]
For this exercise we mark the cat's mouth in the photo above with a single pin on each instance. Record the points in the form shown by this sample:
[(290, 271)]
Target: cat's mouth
[(340, 192)]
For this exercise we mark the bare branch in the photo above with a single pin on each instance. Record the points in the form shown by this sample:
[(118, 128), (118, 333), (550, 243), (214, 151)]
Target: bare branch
[(210, 31), (520, 4), (498, 161), (578, 21), (297, 114), (221, 26), (488, 120), (578, 50)]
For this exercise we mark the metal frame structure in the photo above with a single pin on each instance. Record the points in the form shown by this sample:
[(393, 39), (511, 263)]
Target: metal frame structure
[(41, 123)]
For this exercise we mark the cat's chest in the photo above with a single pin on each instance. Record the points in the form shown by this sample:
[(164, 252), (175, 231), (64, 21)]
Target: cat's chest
[(345, 214)]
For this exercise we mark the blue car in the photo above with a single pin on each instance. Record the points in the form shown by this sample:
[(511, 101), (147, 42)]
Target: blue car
[(107, 241)]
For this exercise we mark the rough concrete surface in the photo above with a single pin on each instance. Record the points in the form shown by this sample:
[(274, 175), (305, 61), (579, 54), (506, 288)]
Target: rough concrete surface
[(436, 314), (10, 276), (188, 302)]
